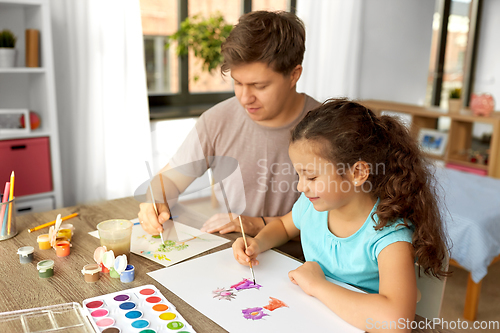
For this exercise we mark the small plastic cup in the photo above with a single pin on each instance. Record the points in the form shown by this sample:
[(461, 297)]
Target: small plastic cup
[(115, 235), (8, 222), (91, 272), (45, 268), (62, 248), (65, 233), (43, 242), (128, 275), (68, 226), (26, 254)]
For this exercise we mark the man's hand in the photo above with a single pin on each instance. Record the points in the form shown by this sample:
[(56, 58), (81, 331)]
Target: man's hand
[(147, 216), (222, 224)]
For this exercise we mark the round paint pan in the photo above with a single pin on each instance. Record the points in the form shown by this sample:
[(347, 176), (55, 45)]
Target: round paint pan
[(134, 314), (127, 306), (105, 322), (121, 298), (112, 329), (140, 324), (147, 292), (94, 304), (100, 313)]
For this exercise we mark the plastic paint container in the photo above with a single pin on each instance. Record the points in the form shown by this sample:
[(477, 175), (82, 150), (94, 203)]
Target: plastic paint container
[(26, 254), (91, 272), (45, 268), (68, 226), (43, 242), (61, 239), (65, 233), (128, 275), (62, 248)]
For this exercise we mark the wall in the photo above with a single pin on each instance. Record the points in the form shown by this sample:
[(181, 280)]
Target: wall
[(396, 41)]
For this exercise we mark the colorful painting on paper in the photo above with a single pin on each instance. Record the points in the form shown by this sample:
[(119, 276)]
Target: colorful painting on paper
[(192, 242), (277, 305)]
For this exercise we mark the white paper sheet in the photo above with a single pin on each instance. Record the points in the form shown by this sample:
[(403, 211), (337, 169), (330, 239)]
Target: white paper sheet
[(193, 242), (195, 280)]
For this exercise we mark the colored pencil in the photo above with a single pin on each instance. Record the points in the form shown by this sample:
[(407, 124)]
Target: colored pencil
[(246, 247), (48, 224), (4, 224), (4, 199), (11, 197)]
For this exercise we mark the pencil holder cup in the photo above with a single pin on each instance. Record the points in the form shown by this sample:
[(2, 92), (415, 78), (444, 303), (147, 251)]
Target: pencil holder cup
[(8, 219)]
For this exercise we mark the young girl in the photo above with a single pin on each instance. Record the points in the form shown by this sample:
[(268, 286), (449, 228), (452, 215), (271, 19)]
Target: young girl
[(366, 211)]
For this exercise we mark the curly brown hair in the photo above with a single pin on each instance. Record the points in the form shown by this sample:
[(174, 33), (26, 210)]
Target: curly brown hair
[(274, 38), (348, 132)]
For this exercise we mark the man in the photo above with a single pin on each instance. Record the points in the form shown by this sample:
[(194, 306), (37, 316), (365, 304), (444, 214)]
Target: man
[(264, 53)]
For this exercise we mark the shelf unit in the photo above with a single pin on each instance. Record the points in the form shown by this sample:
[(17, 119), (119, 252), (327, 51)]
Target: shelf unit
[(460, 133), (33, 89)]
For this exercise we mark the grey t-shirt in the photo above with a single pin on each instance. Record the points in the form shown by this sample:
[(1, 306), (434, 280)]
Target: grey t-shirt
[(251, 160)]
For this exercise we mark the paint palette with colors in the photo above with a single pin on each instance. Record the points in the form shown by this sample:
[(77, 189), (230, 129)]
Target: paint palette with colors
[(138, 310)]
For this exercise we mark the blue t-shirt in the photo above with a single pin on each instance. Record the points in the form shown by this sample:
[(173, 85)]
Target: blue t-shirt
[(353, 259)]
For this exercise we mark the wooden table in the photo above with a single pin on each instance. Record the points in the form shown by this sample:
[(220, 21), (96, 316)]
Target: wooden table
[(21, 288)]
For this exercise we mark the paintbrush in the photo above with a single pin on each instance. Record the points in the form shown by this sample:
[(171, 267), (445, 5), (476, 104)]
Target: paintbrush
[(246, 247)]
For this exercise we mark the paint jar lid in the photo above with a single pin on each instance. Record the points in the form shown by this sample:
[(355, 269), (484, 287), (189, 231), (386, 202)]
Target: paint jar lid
[(44, 265), (26, 250), (91, 269), (98, 253), (42, 238), (108, 259), (68, 226), (120, 263)]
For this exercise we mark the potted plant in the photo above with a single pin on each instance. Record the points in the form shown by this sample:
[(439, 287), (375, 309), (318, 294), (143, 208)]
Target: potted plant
[(205, 37), (7, 50), (455, 100)]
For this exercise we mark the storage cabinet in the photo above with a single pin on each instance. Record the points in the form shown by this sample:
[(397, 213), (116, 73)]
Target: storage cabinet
[(30, 159), (33, 155), (459, 135)]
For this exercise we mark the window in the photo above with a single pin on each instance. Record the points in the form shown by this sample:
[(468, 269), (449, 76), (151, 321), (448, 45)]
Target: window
[(159, 20), (452, 50), (172, 90)]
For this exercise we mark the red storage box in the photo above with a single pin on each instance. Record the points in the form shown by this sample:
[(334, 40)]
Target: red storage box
[(30, 161)]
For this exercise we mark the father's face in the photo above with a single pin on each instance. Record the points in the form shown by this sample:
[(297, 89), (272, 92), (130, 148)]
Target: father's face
[(262, 91)]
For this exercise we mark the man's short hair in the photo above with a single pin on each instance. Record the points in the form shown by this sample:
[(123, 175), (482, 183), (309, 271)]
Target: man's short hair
[(274, 38)]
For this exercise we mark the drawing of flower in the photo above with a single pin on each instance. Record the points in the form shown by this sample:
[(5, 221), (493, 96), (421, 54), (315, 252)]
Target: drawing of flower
[(245, 284), (222, 293), (253, 313), (274, 304)]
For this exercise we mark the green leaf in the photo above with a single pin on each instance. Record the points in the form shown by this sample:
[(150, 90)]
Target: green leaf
[(205, 37)]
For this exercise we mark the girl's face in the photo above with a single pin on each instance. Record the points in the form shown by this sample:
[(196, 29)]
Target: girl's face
[(319, 179)]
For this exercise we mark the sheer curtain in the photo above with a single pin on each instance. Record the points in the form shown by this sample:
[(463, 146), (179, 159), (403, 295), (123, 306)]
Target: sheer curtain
[(333, 48), (101, 98)]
